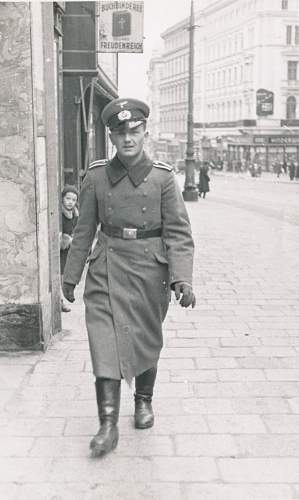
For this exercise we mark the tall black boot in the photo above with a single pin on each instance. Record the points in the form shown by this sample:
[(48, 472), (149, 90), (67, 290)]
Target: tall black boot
[(144, 387), (108, 399)]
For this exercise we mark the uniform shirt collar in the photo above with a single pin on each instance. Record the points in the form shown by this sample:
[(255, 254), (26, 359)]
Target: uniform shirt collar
[(117, 171)]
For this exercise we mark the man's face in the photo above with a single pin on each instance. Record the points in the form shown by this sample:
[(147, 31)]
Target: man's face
[(129, 141)]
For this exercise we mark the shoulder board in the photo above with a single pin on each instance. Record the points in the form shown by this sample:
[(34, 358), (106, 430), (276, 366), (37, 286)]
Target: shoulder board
[(98, 163), (161, 164)]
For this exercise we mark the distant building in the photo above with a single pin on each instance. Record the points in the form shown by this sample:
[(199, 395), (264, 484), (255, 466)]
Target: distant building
[(244, 52), (174, 91), (155, 73)]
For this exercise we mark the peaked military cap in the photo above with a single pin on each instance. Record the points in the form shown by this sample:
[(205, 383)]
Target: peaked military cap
[(125, 110)]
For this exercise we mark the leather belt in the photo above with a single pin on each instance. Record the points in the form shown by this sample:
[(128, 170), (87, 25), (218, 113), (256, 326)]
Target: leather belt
[(130, 233)]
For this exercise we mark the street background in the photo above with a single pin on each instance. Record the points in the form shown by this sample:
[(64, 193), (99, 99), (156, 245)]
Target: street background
[(227, 394)]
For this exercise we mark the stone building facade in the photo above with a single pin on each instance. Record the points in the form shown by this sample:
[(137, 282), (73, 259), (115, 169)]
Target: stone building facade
[(29, 177)]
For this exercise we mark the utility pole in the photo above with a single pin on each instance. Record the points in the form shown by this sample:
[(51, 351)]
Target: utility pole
[(190, 192)]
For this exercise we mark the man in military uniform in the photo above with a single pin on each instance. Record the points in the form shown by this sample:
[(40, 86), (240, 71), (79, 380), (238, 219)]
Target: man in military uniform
[(144, 250)]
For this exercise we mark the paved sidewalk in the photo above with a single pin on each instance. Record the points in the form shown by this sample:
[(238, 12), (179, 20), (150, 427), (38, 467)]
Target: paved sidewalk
[(227, 395)]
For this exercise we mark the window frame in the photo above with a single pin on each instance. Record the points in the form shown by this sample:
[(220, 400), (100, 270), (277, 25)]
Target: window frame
[(284, 4), (292, 71)]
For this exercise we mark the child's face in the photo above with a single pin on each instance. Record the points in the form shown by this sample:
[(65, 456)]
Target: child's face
[(69, 200)]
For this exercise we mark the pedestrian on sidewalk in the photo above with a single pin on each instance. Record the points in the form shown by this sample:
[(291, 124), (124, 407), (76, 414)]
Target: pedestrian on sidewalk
[(144, 250), (204, 180), (291, 168), (69, 219)]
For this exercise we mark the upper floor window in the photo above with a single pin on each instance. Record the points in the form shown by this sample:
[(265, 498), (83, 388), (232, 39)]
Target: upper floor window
[(289, 35), (284, 4), (291, 108), (292, 70), (297, 35)]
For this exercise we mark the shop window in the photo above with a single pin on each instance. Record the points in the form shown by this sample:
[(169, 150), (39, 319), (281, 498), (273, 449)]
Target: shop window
[(291, 107), (284, 4), (289, 35), (292, 70)]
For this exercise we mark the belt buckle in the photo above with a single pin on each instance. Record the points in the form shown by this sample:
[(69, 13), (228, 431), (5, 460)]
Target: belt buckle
[(129, 233)]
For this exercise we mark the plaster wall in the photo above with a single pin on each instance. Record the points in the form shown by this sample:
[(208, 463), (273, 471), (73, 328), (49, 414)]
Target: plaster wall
[(18, 243), (26, 282)]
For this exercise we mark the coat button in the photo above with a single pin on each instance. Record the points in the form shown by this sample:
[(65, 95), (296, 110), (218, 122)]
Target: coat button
[(109, 194), (111, 249), (110, 209), (144, 194), (145, 179), (143, 209), (146, 250)]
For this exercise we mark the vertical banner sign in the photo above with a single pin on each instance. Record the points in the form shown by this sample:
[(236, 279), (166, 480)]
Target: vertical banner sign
[(120, 26), (264, 102)]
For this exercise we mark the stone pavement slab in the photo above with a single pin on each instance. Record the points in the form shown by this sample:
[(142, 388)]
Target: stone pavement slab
[(227, 393)]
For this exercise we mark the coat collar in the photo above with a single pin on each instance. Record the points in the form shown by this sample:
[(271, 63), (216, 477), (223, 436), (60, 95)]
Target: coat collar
[(69, 214), (117, 171)]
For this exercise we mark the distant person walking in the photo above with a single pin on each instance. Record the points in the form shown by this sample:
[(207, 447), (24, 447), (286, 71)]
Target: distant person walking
[(204, 180), (291, 166)]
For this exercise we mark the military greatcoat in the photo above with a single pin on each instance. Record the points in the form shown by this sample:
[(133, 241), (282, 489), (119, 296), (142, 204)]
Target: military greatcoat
[(127, 288)]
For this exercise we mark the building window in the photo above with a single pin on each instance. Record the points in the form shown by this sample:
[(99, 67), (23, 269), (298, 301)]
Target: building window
[(292, 70), (284, 4), (289, 35), (291, 107), (240, 110), (297, 35)]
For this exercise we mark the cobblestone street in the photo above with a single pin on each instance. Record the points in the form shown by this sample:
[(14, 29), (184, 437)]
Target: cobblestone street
[(227, 394)]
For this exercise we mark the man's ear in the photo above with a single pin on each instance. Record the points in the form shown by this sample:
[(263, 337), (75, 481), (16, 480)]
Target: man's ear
[(111, 138), (146, 134)]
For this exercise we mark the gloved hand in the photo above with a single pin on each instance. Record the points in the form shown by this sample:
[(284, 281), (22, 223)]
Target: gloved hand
[(68, 291), (188, 297)]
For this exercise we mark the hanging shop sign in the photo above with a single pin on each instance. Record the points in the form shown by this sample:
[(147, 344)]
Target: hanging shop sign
[(120, 26), (264, 102)]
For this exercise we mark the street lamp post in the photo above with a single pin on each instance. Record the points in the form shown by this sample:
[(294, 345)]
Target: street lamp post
[(190, 192)]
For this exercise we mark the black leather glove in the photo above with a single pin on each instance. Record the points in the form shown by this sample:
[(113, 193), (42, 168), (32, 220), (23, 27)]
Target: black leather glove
[(68, 291), (184, 289)]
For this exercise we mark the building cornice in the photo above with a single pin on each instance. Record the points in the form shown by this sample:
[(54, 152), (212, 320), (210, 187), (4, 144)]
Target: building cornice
[(175, 27)]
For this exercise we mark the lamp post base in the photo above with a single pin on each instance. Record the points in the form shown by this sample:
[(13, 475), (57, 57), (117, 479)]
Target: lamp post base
[(190, 195)]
